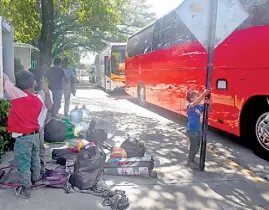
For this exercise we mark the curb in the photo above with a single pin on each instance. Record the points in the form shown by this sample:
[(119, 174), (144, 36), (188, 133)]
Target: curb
[(241, 170)]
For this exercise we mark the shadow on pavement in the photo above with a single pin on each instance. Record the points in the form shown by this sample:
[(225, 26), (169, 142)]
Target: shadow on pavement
[(219, 187), (169, 146), (223, 147), (176, 188)]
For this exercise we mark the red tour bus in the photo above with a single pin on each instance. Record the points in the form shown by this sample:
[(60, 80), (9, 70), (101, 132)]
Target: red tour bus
[(165, 60)]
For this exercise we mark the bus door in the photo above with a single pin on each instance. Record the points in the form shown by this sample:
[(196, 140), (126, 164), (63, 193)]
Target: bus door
[(107, 74)]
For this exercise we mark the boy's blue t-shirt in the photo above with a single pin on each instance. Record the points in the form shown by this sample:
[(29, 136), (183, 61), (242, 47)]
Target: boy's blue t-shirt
[(194, 115)]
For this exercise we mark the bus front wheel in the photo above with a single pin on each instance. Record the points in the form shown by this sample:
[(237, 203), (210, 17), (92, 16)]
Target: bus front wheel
[(254, 125), (262, 135), (141, 93)]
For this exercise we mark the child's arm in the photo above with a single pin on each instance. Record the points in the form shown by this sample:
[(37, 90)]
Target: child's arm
[(12, 91), (48, 99), (200, 98)]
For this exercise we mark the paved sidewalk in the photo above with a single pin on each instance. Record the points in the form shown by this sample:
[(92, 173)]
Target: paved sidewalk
[(177, 187), (223, 186)]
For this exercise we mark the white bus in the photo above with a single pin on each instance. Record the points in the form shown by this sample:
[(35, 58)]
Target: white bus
[(110, 66)]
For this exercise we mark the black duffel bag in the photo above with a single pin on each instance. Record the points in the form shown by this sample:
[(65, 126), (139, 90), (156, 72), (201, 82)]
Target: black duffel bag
[(63, 153), (133, 147), (55, 130), (88, 168)]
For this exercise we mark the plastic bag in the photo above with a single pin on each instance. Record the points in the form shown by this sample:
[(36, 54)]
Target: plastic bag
[(81, 130), (69, 133)]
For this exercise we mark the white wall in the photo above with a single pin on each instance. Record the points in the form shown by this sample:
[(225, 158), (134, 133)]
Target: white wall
[(24, 54)]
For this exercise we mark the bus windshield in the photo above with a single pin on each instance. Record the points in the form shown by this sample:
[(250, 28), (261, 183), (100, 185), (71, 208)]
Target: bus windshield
[(117, 59)]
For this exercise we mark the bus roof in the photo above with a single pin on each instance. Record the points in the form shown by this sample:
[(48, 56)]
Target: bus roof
[(138, 32), (152, 23), (113, 44), (117, 44)]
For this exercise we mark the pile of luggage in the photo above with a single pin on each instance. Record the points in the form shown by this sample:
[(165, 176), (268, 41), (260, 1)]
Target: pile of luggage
[(90, 160), (129, 159)]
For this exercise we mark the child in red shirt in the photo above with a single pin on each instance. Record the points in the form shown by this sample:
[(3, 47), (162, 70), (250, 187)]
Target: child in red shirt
[(23, 124)]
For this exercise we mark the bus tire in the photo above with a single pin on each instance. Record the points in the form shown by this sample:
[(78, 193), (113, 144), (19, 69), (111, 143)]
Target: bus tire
[(253, 122), (261, 143), (141, 95)]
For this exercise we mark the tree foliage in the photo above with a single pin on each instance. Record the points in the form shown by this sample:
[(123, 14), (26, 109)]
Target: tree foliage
[(24, 16), (72, 24), (131, 17), (135, 16), (5, 138), (74, 18)]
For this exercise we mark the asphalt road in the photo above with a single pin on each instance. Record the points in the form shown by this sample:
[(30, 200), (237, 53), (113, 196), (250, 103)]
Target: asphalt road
[(224, 144)]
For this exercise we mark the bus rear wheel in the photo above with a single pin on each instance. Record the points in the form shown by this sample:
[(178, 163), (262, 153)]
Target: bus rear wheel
[(141, 93)]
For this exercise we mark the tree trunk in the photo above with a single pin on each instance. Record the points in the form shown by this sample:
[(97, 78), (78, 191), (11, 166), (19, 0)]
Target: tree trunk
[(45, 41)]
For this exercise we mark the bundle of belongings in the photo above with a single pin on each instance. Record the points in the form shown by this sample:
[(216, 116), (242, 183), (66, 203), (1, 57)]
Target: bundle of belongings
[(56, 178), (58, 130), (90, 161), (88, 169), (130, 159)]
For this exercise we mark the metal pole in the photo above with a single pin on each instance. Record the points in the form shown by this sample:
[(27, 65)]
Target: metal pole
[(211, 45)]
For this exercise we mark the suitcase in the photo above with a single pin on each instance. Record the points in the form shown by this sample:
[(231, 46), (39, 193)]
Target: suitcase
[(136, 166)]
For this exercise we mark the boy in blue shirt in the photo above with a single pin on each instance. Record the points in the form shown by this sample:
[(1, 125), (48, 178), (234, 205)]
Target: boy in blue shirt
[(194, 127)]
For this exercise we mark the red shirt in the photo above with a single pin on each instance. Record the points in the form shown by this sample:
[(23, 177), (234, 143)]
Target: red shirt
[(24, 112)]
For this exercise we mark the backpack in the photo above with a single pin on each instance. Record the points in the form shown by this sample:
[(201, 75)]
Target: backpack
[(133, 147), (88, 167), (55, 131), (56, 178), (95, 135)]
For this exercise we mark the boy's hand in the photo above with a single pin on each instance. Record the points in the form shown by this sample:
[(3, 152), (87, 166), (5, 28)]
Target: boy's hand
[(208, 101), (45, 87), (206, 92)]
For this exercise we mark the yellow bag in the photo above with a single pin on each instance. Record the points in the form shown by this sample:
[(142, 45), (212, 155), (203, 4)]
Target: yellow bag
[(81, 144)]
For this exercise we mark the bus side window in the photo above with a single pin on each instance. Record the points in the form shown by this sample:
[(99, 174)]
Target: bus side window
[(163, 32), (132, 46), (181, 33)]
